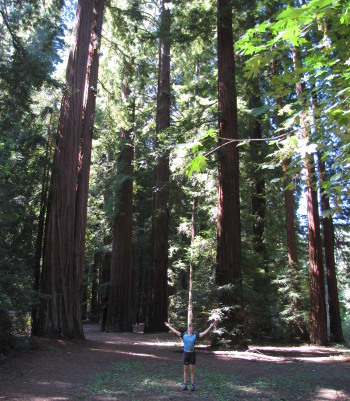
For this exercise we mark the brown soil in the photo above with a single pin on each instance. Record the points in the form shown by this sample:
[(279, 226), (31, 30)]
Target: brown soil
[(137, 366)]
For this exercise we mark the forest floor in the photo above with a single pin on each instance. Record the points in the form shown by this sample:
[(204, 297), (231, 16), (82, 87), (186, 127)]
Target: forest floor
[(142, 367)]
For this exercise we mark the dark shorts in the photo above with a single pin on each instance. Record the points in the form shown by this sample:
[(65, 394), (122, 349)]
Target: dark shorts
[(189, 358)]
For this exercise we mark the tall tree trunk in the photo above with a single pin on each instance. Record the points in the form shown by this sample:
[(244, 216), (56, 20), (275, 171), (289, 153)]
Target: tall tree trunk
[(41, 225), (298, 329), (104, 280), (62, 274), (119, 314), (190, 285), (289, 202), (228, 260), (336, 332), (158, 299), (258, 197), (94, 280), (84, 160), (318, 312), (318, 326)]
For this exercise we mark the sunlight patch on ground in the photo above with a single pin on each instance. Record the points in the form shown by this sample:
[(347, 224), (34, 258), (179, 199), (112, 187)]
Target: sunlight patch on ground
[(158, 344), (144, 355), (326, 394), (53, 383), (285, 354), (51, 398)]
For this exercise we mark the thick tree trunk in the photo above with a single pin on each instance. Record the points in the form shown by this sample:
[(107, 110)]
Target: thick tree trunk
[(84, 160), (318, 312), (62, 274), (228, 269), (119, 315), (336, 332), (228, 259), (158, 299)]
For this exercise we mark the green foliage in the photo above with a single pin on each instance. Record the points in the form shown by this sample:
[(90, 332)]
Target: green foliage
[(29, 44), (316, 29)]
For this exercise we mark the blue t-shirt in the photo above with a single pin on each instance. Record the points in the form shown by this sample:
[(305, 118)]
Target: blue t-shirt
[(189, 341)]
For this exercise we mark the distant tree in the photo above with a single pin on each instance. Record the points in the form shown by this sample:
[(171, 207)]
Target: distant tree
[(298, 329), (45, 182), (119, 314), (257, 155), (318, 312), (336, 332), (335, 324)]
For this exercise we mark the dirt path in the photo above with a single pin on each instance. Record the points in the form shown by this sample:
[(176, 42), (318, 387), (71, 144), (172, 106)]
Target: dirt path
[(135, 367)]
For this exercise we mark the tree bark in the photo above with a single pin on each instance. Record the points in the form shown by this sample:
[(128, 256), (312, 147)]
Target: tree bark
[(62, 274), (228, 263), (84, 160), (158, 298), (228, 259)]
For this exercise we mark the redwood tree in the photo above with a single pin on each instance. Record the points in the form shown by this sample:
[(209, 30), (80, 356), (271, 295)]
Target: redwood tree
[(62, 273), (257, 155), (119, 314), (158, 297), (45, 182), (84, 160), (335, 325), (318, 313), (228, 262)]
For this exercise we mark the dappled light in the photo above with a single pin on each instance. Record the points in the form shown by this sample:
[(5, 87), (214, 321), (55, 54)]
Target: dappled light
[(328, 394)]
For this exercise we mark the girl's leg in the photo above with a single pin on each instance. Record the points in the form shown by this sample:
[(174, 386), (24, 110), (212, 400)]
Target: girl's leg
[(185, 373), (192, 373)]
